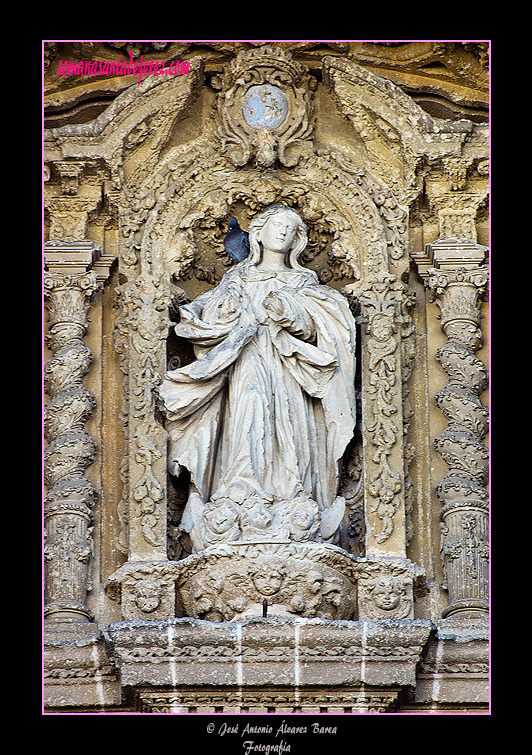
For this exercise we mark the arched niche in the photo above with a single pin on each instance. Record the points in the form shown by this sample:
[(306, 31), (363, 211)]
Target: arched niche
[(356, 234), (353, 219)]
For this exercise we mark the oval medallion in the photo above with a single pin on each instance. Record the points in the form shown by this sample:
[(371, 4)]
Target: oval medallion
[(265, 106)]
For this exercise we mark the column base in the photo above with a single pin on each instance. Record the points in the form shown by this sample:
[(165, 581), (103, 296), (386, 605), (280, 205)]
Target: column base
[(466, 608), (67, 611)]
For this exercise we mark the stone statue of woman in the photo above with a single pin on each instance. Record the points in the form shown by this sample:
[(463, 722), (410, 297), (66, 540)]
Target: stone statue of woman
[(263, 415)]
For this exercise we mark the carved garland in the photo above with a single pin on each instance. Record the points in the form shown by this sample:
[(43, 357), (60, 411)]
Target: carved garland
[(142, 327)]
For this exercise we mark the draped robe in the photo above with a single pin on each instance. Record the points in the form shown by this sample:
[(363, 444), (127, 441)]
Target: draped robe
[(268, 406)]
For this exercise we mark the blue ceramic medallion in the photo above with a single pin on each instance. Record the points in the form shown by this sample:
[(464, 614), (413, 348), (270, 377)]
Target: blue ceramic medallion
[(265, 106)]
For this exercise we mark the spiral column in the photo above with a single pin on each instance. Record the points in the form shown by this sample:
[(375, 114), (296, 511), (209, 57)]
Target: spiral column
[(70, 495), (464, 516)]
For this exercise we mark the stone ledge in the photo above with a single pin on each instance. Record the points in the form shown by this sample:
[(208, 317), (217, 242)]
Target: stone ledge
[(273, 699), (265, 665), (278, 651), (455, 665), (78, 671)]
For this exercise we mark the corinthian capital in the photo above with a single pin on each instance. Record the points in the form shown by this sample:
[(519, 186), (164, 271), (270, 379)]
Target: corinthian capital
[(68, 299), (457, 294)]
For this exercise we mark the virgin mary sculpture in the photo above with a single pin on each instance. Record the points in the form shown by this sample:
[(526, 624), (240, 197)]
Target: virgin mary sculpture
[(262, 417)]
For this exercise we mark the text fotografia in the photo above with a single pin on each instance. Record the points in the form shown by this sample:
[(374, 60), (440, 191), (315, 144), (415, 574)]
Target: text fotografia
[(129, 67), (247, 731)]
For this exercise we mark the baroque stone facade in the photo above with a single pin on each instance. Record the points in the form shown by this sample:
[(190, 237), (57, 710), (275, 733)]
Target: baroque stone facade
[(385, 159)]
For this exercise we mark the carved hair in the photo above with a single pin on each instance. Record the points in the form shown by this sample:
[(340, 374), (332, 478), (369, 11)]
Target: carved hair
[(258, 223)]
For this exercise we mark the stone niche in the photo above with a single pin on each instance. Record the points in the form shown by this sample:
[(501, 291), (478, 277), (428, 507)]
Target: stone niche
[(270, 624)]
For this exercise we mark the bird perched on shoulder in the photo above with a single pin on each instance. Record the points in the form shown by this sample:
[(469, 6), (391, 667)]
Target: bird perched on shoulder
[(236, 241)]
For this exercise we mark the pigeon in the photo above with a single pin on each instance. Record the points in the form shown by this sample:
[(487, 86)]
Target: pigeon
[(236, 241)]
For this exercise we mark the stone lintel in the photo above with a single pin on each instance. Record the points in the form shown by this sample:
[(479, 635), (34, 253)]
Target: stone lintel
[(76, 258), (70, 257), (78, 672)]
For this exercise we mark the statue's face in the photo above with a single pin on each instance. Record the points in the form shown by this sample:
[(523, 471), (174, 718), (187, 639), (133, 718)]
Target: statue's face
[(259, 516), (279, 232), (303, 517)]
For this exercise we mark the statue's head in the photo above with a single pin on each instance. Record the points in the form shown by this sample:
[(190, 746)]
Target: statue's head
[(263, 224)]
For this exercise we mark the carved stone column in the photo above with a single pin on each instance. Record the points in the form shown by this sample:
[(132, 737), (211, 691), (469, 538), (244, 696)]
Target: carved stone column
[(464, 515), (67, 507)]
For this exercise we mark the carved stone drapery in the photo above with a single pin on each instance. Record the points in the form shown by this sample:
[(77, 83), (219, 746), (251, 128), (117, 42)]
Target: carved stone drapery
[(464, 515), (70, 497)]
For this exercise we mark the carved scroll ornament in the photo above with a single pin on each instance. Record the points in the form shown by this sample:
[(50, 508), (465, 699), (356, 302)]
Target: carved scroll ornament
[(384, 302)]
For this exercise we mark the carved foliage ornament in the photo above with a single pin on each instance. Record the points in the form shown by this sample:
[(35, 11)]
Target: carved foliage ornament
[(70, 448), (457, 294), (464, 515), (385, 301), (179, 214), (144, 318)]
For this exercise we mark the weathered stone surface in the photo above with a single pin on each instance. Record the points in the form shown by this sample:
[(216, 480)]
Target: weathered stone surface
[(276, 651), (285, 579), (78, 672), (455, 667)]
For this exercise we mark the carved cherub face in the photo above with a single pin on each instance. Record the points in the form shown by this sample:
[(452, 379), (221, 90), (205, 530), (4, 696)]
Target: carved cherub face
[(257, 515), (304, 521), (278, 233), (267, 576), (221, 517), (212, 582), (148, 595), (387, 593), (268, 583)]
